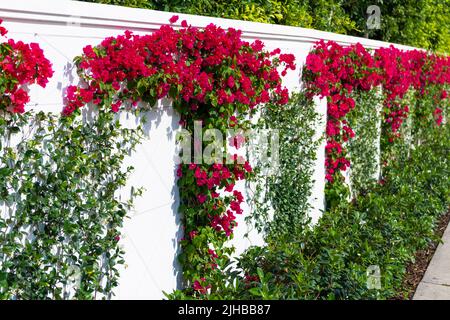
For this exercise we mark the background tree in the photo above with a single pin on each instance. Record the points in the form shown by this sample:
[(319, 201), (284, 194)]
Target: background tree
[(423, 23)]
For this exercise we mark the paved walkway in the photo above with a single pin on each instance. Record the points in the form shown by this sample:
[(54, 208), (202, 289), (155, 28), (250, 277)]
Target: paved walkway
[(435, 284)]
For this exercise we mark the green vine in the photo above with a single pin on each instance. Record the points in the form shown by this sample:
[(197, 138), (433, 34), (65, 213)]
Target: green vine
[(285, 193), (60, 215), (383, 227), (363, 148)]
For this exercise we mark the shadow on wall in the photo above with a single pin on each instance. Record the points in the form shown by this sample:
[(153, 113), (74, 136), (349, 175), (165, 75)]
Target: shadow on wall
[(160, 125), (163, 117)]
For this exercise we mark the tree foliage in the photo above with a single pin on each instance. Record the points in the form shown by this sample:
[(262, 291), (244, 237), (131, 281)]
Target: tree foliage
[(421, 24)]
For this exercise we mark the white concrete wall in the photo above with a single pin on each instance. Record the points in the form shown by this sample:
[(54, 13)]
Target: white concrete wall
[(62, 28)]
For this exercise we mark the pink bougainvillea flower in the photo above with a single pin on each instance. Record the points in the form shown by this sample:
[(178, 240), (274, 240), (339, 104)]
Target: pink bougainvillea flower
[(193, 234), (116, 106), (201, 198), (173, 19), (201, 286), (21, 66), (3, 30)]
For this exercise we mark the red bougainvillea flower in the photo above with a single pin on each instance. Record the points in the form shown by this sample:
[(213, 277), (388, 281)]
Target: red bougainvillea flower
[(201, 198), (213, 76), (173, 19), (213, 255), (188, 63), (201, 286), (335, 71), (3, 30), (193, 234), (251, 278), (21, 65)]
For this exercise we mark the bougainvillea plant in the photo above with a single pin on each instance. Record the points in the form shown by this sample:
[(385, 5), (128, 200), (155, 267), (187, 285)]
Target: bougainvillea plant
[(212, 76), (21, 65), (335, 71)]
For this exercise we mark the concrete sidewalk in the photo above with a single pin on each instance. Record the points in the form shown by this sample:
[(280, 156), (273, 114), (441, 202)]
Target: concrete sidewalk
[(435, 284)]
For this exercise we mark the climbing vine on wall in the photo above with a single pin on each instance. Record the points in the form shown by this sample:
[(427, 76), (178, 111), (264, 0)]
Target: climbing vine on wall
[(60, 217), (364, 150), (212, 76), (335, 71), (282, 193)]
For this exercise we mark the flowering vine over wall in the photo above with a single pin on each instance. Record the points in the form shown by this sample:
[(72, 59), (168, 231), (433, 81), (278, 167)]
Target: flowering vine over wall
[(212, 76), (335, 71)]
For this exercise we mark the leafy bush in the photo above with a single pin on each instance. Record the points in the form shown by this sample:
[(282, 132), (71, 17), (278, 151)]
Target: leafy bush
[(327, 15), (422, 24)]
